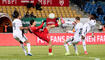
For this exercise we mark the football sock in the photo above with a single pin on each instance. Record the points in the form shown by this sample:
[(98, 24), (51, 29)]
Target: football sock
[(28, 47), (84, 45), (50, 50), (75, 47), (66, 47), (22, 46)]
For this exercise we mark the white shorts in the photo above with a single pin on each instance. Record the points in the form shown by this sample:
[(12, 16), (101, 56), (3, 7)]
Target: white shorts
[(21, 38), (76, 40)]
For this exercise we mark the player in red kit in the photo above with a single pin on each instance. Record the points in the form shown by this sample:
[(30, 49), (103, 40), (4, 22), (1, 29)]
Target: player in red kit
[(43, 34)]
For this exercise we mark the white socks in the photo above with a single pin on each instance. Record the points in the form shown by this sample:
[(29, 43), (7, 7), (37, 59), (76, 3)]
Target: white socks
[(28, 47), (22, 46), (66, 47), (84, 45), (75, 47)]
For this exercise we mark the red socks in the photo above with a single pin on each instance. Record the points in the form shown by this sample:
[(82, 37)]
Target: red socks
[(50, 50)]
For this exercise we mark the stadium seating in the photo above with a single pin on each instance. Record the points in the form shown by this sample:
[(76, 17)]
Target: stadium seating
[(65, 12), (91, 8)]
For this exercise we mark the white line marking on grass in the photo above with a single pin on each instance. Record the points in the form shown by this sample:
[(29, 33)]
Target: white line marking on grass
[(94, 58), (97, 58)]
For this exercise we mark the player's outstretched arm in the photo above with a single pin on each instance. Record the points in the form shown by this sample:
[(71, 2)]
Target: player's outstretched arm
[(37, 28)]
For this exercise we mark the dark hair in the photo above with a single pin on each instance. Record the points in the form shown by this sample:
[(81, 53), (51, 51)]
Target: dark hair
[(31, 22), (16, 14), (93, 16), (77, 18)]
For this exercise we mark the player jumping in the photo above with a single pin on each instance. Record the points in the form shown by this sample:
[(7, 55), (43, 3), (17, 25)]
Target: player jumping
[(77, 37), (44, 34), (86, 28), (18, 35)]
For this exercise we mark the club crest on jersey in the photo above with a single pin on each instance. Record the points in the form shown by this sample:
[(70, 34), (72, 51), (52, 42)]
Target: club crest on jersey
[(61, 2)]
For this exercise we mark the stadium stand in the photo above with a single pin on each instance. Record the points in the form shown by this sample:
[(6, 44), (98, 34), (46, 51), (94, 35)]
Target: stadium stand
[(58, 11), (91, 8)]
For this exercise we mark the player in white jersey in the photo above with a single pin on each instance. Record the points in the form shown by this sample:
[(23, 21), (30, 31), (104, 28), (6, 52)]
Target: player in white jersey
[(77, 37), (86, 28), (18, 35)]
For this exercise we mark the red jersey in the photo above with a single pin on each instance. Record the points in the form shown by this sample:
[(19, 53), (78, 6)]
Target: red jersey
[(51, 21), (41, 34)]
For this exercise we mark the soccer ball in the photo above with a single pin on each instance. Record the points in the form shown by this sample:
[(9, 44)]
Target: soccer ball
[(51, 15)]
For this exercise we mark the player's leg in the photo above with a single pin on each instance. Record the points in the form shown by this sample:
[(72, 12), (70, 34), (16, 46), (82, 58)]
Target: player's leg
[(75, 42), (21, 44), (84, 45), (24, 40), (75, 48), (50, 48), (28, 45), (86, 29), (28, 48), (66, 46), (55, 25), (45, 37)]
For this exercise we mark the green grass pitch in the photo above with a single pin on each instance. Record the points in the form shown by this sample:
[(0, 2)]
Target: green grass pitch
[(96, 52)]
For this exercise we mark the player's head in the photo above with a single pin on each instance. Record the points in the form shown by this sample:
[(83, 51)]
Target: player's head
[(32, 22), (51, 15), (92, 16), (77, 19), (16, 14)]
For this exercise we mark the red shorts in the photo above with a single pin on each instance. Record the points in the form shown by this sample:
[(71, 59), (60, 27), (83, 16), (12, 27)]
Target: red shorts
[(44, 35)]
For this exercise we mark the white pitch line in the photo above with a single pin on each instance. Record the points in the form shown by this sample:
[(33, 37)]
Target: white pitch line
[(94, 58)]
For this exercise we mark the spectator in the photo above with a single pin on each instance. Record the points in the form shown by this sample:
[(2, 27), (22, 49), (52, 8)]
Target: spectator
[(38, 6), (95, 16), (32, 15), (27, 14), (5, 28), (29, 5), (15, 11), (9, 28), (104, 18), (99, 10), (80, 3)]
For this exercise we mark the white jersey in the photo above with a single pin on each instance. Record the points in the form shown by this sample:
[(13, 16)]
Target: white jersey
[(78, 31), (87, 26), (92, 23), (16, 27), (17, 32), (77, 34)]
